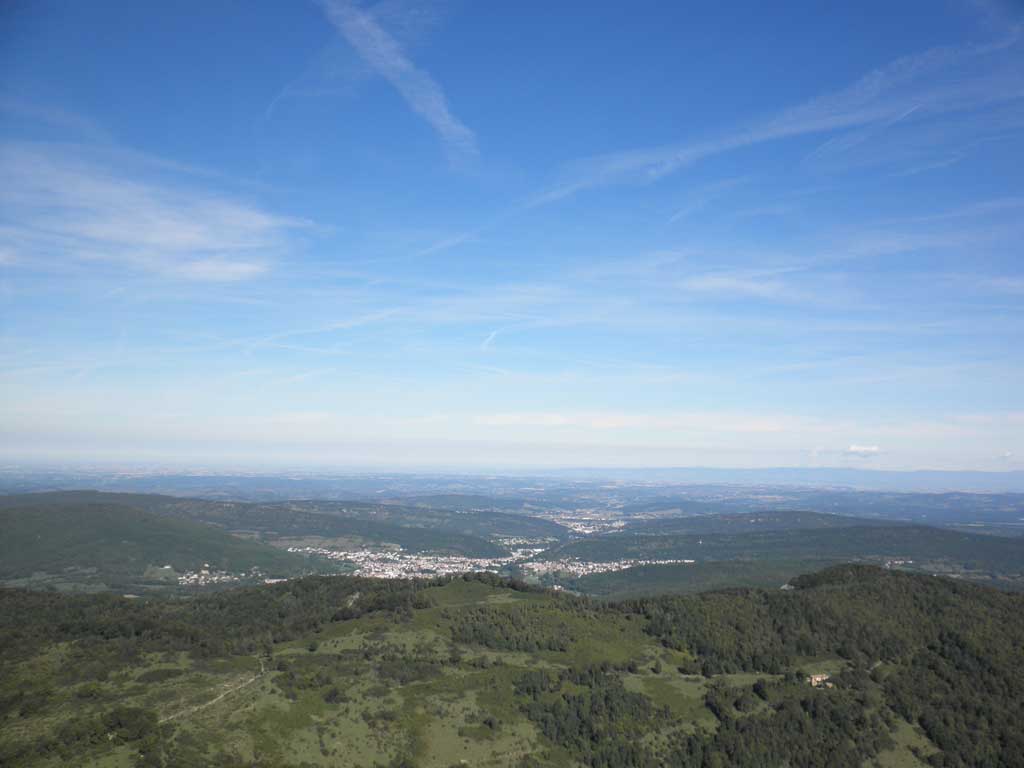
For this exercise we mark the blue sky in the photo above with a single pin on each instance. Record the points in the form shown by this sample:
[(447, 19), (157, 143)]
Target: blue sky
[(511, 235)]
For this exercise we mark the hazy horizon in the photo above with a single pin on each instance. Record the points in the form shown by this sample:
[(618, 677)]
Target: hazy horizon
[(312, 475)]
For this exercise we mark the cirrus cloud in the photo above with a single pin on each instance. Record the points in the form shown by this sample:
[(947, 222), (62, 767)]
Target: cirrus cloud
[(67, 202), (862, 451)]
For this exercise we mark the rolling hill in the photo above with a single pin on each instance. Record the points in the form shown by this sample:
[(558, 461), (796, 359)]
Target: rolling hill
[(114, 545), (898, 541), (482, 523), (676, 579), (747, 522), (281, 521), (768, 556)]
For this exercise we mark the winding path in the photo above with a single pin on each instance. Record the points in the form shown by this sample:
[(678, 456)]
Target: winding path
[(199, 707)]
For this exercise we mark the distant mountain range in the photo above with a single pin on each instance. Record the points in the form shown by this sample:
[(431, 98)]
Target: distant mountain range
[(839, 477), (503, 490)]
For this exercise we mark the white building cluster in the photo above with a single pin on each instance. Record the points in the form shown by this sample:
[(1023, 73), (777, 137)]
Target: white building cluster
[(584, 567), (399, 564), (207, 575)]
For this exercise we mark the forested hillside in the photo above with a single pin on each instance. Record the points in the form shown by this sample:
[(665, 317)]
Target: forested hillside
[(748, 522), (415, 529), (359, 672), (684, 578), (942, 548), (103, 545)]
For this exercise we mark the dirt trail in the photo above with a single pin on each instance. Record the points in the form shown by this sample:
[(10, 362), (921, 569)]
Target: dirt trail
[(199, 707)]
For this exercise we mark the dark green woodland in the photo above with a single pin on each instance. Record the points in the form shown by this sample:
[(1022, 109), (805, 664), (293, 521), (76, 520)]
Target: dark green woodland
[(917, 670)]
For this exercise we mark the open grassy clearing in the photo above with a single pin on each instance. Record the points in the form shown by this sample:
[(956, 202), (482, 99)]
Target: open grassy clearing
[(910, 743)]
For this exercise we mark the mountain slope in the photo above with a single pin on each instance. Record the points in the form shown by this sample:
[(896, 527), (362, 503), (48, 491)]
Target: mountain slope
[(672, 579), (897, 541), (115, 544), (290, 520), (479, 671), (747, 522)]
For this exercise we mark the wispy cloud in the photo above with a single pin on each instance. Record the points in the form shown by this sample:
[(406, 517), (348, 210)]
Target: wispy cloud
[(63, 201), (385, 55), (336, 68), (712, 421), (486, 344), (284, 339), (862, 451), (340, 325), (704, 196), (1005, 284), (740, 284), (937, 81), (979, 209), (449, 242), (55, 117), (328, 72), (922, 141), (914, 90)]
